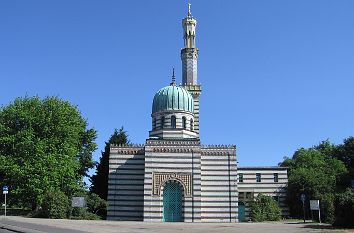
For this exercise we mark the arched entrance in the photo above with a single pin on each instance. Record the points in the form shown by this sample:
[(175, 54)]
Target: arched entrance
[(172, 202)]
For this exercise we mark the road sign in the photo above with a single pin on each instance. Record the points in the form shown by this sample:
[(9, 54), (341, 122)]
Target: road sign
[(314, 204), (5, 190), (353, 184), (78, 202), (302, 198)]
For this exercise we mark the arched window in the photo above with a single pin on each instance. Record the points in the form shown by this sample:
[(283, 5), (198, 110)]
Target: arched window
[(162, 122), (173, 122), (184, 122), (191, 124)]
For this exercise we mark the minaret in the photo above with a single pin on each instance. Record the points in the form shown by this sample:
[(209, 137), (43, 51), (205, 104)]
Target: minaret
[(189, 56)]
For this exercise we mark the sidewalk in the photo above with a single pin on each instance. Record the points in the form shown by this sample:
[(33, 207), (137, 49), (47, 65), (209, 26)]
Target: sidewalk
[(35, 225)]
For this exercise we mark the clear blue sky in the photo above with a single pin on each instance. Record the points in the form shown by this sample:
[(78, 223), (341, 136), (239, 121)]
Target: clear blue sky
[(277, 75)]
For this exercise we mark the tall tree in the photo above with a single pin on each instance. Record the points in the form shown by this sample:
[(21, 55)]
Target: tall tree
[(316, 173), (45, 144), (99, 181), (346, 154)]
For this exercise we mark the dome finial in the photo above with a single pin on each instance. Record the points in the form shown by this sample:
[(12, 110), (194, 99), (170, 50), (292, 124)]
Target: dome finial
[(189, 8), (173, 77)]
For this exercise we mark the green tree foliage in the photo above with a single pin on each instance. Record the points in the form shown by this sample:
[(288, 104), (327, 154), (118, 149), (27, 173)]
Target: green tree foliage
[(99, 181), (95, 207), (345, 153), (95, 204), (344, 209), (45, 144), (55, 205), (265, 208), (316, 173)]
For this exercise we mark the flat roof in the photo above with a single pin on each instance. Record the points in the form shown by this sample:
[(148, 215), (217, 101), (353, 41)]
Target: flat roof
[(261, 168)]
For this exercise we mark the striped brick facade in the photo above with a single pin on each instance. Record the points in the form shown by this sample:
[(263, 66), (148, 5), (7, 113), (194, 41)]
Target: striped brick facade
[(249, 188), (172, 157), (126, 183), (208, 175), (219, 184)]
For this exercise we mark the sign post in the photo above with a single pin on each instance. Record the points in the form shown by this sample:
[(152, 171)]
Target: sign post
[(5, 191), (315, 205), (78, 202), (303, 198)]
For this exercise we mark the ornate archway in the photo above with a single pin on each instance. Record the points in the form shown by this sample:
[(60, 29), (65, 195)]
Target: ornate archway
[(160, 178)]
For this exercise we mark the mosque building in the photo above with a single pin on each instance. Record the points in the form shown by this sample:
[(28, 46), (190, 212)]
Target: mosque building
[(173, 177)]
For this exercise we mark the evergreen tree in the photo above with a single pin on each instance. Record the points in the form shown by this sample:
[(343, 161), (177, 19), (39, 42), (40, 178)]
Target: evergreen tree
[(99, 181)]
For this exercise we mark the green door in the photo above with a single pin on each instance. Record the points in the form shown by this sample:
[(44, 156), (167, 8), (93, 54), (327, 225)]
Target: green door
[(172, 202), (241, 212)]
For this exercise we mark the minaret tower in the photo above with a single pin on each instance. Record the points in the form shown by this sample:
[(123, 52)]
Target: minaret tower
[(189, 56)]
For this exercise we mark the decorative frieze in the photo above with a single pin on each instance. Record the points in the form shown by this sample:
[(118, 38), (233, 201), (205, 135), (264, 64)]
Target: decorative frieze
[(173, 142), (218, 150), (192, 88), (127, 145), (160, 178), (218, 146), (174, 150), (128, 151)]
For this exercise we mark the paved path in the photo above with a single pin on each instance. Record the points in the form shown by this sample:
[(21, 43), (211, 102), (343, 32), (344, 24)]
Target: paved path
[(35, 225)]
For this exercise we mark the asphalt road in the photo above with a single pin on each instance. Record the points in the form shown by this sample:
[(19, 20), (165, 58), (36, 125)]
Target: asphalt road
[(5, 231), (35, 225)]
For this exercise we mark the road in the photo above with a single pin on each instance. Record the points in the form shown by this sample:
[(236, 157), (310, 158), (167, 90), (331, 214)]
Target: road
[(35, 225)]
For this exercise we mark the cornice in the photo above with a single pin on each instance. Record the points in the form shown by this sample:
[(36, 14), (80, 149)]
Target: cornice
[(129, 149)]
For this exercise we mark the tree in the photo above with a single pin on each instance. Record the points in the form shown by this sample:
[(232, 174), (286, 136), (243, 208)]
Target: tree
[(94, 209), (345, 153), (316, 173), (95, 204), (265, 208), (344, 209), (45, 144), (99, 181), (55, 205)]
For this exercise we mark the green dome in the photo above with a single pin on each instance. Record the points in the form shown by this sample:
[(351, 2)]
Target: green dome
[(172, 98)]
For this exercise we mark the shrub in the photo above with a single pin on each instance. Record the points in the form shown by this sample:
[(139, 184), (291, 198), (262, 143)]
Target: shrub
[(55, 205), (95, 208), (344, 209), (265, 208), (327, 207), (96, 205)]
